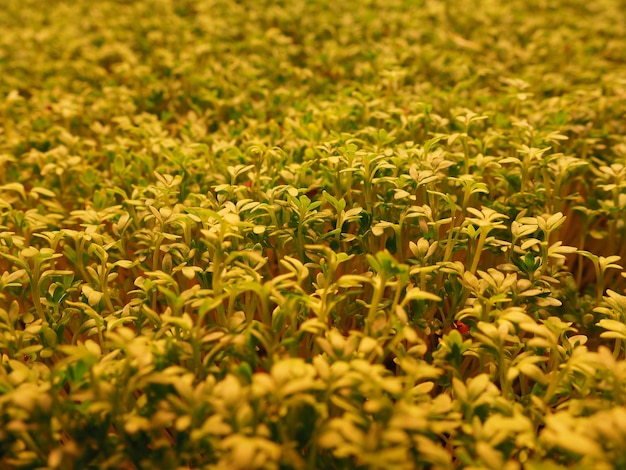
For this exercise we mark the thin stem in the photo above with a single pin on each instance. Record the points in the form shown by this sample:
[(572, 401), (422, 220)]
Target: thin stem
[(379, 287), (35, 290), (479, 248)]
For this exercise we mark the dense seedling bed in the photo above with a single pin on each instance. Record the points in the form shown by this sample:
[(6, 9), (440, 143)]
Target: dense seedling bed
[(312, 234)]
